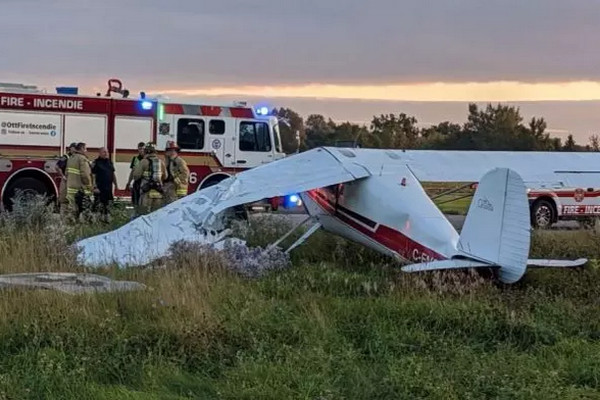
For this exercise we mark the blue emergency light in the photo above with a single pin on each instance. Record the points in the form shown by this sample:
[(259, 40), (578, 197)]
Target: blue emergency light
[(292, 200), (262, 111), (146, 105), (67, 90)]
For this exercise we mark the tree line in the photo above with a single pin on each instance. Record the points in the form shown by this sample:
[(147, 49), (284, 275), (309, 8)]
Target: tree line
[(495, 127)]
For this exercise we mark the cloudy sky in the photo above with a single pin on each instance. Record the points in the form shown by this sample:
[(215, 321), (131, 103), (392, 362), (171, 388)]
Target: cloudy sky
[(345, 58)]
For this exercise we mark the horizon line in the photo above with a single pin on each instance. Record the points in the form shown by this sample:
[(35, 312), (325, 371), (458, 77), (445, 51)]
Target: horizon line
[(497, 91)]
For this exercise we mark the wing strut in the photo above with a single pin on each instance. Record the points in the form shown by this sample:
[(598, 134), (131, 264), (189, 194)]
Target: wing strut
[(304, 236), (281, 239), (314, 227)]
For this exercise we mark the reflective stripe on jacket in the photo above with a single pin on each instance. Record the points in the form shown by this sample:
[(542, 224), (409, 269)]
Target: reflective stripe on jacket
[(180, 173), (79, 174)]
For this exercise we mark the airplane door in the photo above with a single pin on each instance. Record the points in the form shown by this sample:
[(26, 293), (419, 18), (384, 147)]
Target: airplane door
[(254, 145)]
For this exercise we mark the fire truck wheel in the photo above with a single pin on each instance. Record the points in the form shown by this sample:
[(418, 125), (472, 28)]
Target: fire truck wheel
[(542, 214), (29, 186)]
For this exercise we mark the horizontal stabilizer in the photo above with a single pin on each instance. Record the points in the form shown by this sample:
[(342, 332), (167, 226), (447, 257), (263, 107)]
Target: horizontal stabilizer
[(557, 263), (445, 264)]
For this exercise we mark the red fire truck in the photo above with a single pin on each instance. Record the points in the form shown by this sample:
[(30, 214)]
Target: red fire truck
[(35, 128)]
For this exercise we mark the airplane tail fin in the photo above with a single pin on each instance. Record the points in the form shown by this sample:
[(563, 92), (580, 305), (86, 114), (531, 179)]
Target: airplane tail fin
[(497, 228), (496, 232)]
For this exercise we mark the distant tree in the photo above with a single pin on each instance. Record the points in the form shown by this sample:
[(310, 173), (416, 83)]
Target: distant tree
[(495, 128), (288, 132), (556, 144), (594, 143), (570, 144), (443, 129), (352, 133), (444, 136), (319, 131), (536, 134), (394, 132)]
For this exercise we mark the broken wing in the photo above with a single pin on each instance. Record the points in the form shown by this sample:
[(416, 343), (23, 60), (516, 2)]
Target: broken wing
[(195, 217)]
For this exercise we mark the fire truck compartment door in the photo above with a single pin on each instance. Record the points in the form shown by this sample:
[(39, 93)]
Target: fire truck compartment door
[(21, 128), (89, 129), (129, 131)]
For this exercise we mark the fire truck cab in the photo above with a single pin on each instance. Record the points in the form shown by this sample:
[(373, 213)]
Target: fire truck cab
[(35, 128), (217, 141)]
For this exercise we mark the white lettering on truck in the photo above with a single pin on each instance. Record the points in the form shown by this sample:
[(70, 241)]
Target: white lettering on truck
[(65, 104), (11, 101), (58, 103)]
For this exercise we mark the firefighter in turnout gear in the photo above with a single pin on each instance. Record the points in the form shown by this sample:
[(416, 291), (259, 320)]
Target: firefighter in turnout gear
[(61, 169), (79, 182), (176, 184), (133, 185), (152, 173)]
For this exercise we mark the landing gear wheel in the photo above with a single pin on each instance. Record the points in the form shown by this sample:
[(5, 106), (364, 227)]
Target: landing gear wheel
[(543, 214)]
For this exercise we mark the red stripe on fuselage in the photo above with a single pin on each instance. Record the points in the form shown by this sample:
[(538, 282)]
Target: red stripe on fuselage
[(388, 237)]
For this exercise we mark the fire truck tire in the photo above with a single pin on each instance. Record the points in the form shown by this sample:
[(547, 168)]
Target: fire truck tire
[(27, 185), (543, 214), (213, 180)]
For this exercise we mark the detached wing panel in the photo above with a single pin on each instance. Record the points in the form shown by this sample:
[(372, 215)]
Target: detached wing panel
[(149, 237)]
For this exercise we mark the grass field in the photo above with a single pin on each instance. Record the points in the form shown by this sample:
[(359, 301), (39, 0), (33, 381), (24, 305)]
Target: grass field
[(340, 323), (459, 206), (457, 199)]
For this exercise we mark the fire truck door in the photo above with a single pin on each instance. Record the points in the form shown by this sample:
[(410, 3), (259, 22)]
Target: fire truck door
[(254, 145), (220, 139)]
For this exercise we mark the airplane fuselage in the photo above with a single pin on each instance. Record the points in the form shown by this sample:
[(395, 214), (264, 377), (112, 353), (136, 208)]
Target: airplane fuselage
[(390, 214)]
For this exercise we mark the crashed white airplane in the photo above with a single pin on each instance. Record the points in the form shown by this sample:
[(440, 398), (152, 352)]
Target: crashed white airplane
[(371, 197)]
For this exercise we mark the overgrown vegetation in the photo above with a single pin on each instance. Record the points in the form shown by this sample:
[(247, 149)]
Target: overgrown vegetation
[(342, 323)]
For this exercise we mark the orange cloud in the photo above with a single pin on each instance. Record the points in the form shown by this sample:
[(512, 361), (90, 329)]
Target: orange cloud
[(437, 91)]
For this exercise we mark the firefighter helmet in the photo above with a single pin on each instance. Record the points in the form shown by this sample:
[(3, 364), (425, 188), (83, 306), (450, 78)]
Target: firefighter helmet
[(171, 145), (150, 148)]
